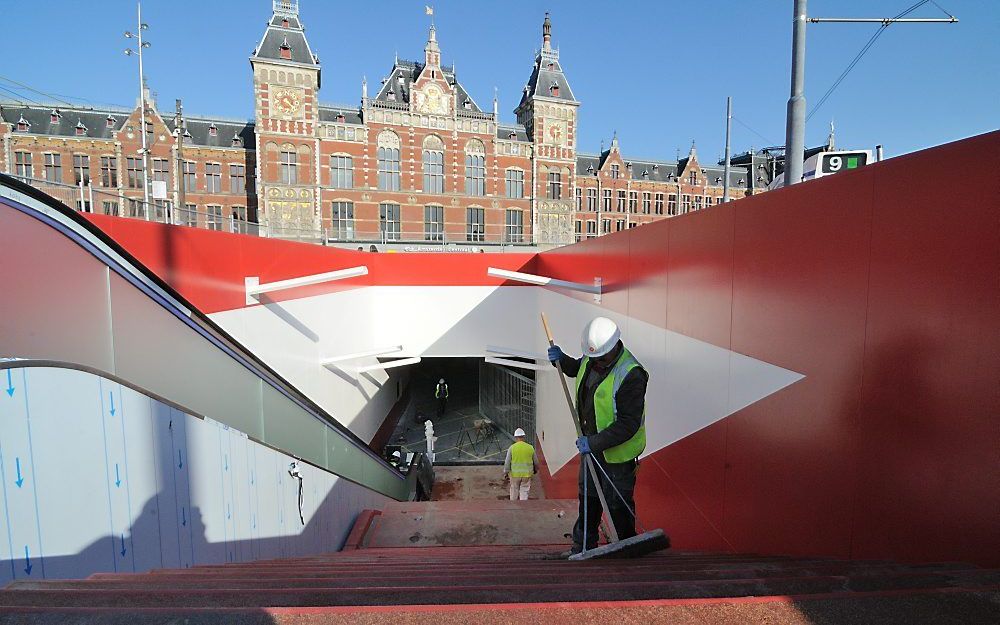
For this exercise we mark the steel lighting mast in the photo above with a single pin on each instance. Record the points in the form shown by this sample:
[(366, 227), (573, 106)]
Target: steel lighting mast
[(142, 103), (795, 122)]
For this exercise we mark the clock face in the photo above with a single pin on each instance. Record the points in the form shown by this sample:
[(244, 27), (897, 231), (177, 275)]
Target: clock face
[(556, 132), (287, 102)]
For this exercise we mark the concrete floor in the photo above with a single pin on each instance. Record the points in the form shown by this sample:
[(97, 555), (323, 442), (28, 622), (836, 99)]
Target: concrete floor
[(465, 483)]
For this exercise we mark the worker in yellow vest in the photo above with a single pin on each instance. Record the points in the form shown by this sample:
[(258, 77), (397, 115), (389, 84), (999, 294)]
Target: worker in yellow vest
[(611, 404), (519, 466)]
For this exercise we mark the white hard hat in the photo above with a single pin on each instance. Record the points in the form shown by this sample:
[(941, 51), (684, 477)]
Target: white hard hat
[(441, 381), (600, 337), (519, 432), (396, 454)]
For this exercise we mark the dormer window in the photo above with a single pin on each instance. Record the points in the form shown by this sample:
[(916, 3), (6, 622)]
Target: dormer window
[(554, 90), (400, 79), (237, 141), (80, 129), (54, 117), (550, 65), (340, 117), (512, 136), (391, 95), (284, 22), (213, 131), (285, 50), (645, 173), (109, 121), (23, 125), (467, 104), (718, 179)]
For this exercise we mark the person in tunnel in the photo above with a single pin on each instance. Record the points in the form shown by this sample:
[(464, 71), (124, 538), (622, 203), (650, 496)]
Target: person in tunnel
[(519, 466), (611, 404), (441, 394)]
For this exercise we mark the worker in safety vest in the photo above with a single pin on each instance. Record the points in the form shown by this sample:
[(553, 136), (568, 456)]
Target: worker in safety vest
[(441, 393), (611, 403), (519, 466)]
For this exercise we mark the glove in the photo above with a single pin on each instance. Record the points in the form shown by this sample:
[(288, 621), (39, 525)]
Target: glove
[(583, 445), (555, 354)]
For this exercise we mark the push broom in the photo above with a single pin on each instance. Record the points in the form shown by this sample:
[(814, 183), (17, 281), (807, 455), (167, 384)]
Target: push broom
[(641, 544)]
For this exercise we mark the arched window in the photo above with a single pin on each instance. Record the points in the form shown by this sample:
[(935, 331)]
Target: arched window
[(388, 161), (475, 168), (433, 159)]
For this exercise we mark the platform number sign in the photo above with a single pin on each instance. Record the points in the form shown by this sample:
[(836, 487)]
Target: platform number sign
[(836, 162)]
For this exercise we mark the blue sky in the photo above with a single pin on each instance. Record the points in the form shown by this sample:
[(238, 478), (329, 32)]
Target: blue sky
[(656, 72)]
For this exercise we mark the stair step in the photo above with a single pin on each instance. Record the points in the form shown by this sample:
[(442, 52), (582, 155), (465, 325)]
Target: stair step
[(860, 575), (586, 590)]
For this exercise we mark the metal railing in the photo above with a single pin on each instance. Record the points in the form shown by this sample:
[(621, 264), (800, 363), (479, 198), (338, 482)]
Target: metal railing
[(508, 399)]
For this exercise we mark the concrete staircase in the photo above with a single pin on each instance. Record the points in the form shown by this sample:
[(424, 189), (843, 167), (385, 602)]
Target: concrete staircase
[(484, 580)]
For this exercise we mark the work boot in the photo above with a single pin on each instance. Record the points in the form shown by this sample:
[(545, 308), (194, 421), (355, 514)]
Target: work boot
[(575, 549)]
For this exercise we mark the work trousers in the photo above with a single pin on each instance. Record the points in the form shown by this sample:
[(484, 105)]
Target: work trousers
[(519, 488), (442, 406), (623, 477)]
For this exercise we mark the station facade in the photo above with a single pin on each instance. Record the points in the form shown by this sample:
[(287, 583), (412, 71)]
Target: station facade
[(417, 161)]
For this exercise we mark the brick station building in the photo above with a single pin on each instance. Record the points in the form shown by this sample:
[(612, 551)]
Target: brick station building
[(418, 161)]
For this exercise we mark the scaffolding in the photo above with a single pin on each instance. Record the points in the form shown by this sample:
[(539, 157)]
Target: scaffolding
[(507, 398)]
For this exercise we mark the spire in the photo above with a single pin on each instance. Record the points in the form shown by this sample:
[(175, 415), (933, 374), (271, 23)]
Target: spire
[(614, 140), (364, 88), (694, 152), (547, 33), (432, 53), (496, 105)]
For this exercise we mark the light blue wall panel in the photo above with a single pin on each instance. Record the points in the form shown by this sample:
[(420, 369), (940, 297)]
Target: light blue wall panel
[(98, 477)]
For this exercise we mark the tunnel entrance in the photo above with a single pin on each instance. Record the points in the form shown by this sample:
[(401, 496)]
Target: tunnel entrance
[(486, 403)]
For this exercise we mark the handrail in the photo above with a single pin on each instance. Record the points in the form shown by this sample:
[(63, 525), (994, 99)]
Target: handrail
[(99, 244)]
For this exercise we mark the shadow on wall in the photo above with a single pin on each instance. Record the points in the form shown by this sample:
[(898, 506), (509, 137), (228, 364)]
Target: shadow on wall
[(210, 495)]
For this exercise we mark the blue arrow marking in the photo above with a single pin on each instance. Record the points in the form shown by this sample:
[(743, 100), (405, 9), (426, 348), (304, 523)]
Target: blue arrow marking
[(10, 385), (251, 478), (118, 480), (254, 521), (112, 395), (184, 520), (20, 480), (226, 467), (123, 546), (228, 514), (180, 461), (27, 561)]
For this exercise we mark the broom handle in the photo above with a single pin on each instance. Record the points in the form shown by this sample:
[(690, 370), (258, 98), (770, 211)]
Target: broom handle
[(579, 432)]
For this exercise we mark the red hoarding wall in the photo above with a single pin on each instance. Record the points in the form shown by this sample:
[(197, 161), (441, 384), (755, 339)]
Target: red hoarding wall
[(883, 289), (208, 267)]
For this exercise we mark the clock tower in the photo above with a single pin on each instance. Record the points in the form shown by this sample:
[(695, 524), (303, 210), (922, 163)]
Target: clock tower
[(286, 79), (548, 111)]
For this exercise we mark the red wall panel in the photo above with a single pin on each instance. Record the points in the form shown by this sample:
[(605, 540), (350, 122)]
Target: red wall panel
[(884, 292), (208, 267)]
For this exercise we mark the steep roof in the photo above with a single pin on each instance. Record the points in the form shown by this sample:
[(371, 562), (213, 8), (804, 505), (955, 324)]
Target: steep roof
[(199, 132), (285, 30), (39, 117), (404, 73), (547, 78), (656, 171), (504, 131), (329, 113)]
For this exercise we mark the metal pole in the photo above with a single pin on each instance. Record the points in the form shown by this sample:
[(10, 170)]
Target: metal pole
[(597, 175), (729, 128), (795, 123), (142, 105)]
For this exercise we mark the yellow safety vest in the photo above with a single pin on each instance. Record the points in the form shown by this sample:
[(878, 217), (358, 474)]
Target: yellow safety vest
[(522, 457), (606, 409)]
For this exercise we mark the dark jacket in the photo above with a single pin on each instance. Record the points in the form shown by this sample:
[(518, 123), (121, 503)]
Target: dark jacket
[(630, 399)]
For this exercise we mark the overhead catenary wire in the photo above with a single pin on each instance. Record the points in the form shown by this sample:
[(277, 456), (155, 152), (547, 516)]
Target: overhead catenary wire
[(33, 90), (864, 50)]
